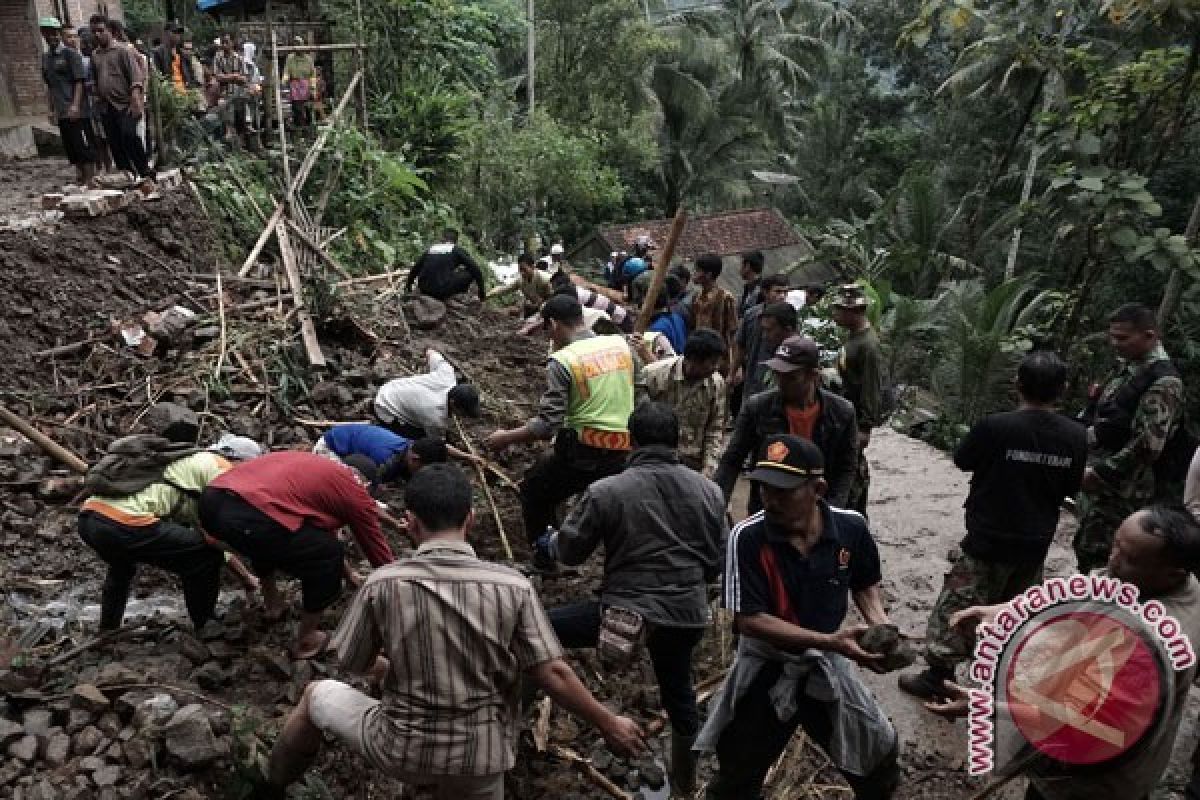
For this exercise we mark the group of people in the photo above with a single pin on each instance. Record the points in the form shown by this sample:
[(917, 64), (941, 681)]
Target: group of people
[(454, 645), (96, 81)]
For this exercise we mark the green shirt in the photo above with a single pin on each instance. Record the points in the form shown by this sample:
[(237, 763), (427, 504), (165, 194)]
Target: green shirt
[(860, 365), (162, 500), (601, 395)]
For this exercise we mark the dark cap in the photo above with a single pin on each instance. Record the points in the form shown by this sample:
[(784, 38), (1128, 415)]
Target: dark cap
[(563, 308), (850, 296), (788, 461), (465, 398), (796, 352), (361, 464)]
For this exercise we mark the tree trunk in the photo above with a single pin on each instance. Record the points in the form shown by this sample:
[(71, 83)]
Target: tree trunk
[(1174, 290), (1035, 153), (1185, 92)]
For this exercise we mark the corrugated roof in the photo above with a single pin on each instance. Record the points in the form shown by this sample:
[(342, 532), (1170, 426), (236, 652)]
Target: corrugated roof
[(726, 233)]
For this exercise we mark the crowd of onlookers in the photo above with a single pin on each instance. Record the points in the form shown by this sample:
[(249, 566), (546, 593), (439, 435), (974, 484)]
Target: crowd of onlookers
[(97, 83)]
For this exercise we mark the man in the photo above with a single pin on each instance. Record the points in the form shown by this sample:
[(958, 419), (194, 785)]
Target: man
[(533, 284), (801, 408), (230, 71), (591, 301), (1023, 464), (419, 406), (456, 636), (712, 306), (585, 409), (860, 365), (445, 270), (788, 571), (756, 340), (65, 78), (170, 62), (157, 525), (120, 96), (395, 457), (692, 386), (666, 320), (283, 511), (299, 74), (751, 272), (1133, 416), (1157, 550), (662, 527)]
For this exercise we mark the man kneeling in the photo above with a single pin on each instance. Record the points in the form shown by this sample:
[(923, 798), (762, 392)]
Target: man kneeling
[(455, 634)]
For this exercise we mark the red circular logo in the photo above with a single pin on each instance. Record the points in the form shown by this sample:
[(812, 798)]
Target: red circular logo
[(1083, 687)]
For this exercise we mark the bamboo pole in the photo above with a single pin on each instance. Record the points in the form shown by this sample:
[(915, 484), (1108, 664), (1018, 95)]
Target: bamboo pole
[(320, 48), (660, 270), (301, 177), (308, 331), (487, 490), (316, 248), (283, 146), (51, 447)]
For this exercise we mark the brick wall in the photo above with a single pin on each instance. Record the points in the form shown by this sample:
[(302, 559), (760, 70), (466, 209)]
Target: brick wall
[(21, 45)]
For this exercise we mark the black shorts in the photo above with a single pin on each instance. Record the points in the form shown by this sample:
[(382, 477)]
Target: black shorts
[(311, 555), (77, 140)]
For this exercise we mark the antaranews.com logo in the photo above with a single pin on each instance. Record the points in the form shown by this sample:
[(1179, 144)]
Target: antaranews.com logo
[(1080, 668)]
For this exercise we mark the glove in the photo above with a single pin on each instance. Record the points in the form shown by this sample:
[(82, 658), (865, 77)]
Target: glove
[(546, 546)]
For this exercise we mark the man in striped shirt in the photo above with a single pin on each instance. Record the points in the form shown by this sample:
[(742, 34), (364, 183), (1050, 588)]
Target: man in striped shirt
[(451, 637)]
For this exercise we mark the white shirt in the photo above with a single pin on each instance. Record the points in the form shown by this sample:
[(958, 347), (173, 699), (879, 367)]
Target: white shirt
[(419, 400)]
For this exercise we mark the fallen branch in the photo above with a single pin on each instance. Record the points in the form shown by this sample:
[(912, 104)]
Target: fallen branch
[(51, 447), (590, 772), (660, 271), (103, 638), (320, 251), (487, 490), (383, 276), (73, 347), (541, 728), (224, 344), (308, 331)]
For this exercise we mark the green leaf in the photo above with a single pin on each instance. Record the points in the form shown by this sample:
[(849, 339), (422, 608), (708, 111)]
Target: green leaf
[(1090, 184), (1124, 237), (1134, 184), (1151, 209), (1100, 172), (1161, 261), (1177, 246), (1089, 144), (1061, 181)]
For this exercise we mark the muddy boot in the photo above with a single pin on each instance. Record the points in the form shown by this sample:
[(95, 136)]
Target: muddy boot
[(683, 765), (926, 684)]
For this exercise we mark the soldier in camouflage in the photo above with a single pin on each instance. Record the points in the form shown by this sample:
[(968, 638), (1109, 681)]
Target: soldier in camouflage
[(692, 386), (1023, 464), (1130, 420), (860, 365)]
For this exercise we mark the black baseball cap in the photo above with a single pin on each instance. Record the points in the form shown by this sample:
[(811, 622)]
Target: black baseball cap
[(563, 308), (465, 398), (788, 461), (795, 352)]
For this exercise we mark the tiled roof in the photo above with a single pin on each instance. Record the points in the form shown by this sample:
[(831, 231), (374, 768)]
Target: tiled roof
[(726, 233)]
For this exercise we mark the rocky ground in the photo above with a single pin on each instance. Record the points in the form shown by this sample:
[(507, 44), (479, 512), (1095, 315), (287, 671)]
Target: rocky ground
[(161, 712)]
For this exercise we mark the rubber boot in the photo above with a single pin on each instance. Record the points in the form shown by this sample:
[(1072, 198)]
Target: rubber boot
[(683, 765)]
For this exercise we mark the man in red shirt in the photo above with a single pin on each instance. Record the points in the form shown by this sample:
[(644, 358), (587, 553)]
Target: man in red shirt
[(284, 513)]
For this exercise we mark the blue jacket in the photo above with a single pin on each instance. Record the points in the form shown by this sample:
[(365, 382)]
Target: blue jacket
[(380, 445), (672, 325)]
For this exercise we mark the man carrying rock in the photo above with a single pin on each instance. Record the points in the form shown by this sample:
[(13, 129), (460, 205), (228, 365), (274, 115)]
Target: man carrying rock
[(283, 511), (662, 527), (419, 406), (585, 409), (445, 270), (395, 457), (789, 571), (801, 408), (692, 386), (860, 365), (1130, 421), (154, 521), (451, 637), (65, 77), (1023, 464)]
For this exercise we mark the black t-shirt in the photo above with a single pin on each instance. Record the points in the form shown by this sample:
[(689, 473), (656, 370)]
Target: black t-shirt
[(765, 574), (436, 270), (1024, 464)]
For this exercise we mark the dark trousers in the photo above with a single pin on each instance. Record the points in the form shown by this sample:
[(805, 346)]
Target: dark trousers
[(77, 140), (756, 737), (564, 473), (670, 650), (302, 113), (446, 285), (128, 152), (165, 545), (312, 556)]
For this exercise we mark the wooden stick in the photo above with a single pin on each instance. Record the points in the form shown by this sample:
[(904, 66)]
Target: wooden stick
[(221, 318), (64, 349), (594, 775), (541, 728), (660, 270), (316, 248), (487, 490), (320, 48), (283, 145), (383, 276), (43, 441), (96, 641), (308, 331), (298, 182)]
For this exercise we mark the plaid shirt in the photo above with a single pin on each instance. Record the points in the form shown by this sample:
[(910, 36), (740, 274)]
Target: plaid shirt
[(230, 64), (458, 632)]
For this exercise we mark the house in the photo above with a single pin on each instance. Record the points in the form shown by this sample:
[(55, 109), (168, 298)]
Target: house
[(727, 233), (22, 92)]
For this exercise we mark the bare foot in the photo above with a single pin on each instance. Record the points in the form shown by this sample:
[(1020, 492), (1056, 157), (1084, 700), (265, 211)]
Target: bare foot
[(310, 645)]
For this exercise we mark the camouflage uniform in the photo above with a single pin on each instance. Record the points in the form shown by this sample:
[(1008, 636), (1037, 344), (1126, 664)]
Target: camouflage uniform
[(1127, 473), (860, 366), (971, 582), (700, 406)]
